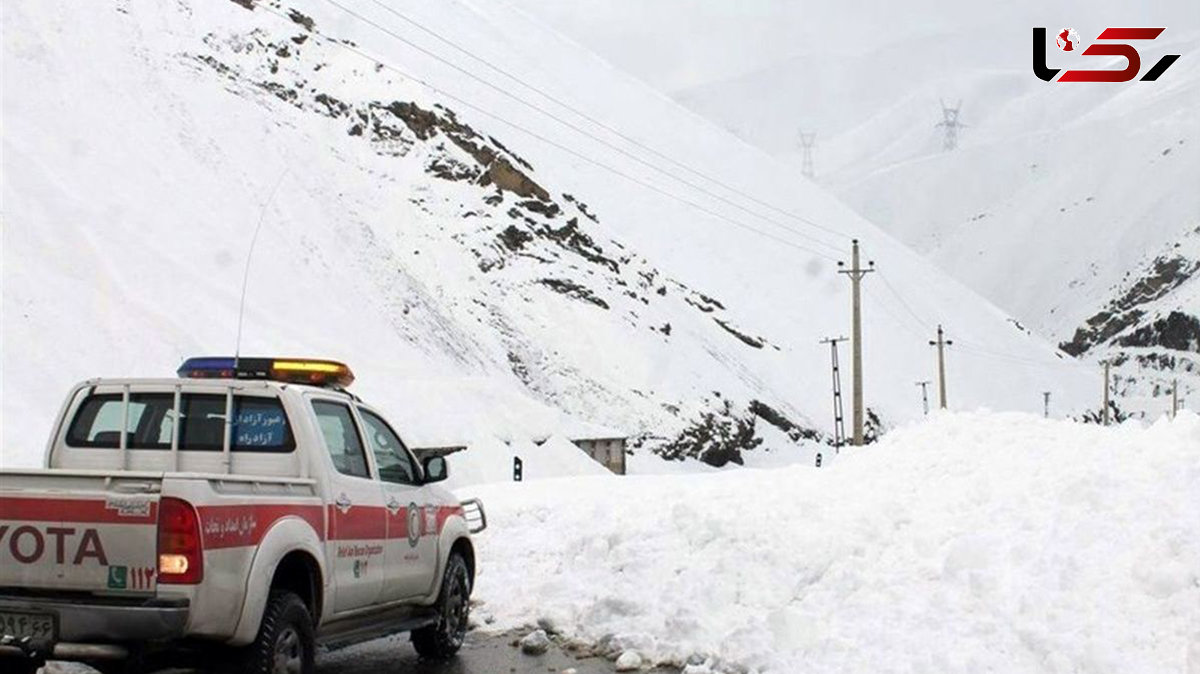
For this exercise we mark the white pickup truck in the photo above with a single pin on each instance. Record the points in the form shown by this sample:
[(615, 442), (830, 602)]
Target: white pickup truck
[(241, 516)]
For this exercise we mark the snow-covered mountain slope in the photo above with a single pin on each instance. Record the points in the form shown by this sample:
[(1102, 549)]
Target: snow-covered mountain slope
[(1092, 191), (455, 236), (969, 543), (1081, 188)]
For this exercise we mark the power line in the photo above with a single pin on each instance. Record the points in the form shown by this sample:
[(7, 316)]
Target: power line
[(597, 122), (900, 298), (575, 153), (585, 132), (969, 345), (900, 321)]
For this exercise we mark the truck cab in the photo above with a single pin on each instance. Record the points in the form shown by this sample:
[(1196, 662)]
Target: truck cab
[(250, 507)]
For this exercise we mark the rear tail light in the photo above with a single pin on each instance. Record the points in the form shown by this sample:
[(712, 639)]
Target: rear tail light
[(180, 550)]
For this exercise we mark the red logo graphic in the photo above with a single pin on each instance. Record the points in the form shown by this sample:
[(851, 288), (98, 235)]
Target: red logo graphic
[(1068, 40)]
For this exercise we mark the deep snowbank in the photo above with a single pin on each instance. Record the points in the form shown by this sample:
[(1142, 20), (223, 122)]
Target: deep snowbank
[(970, 543), (491, 460)]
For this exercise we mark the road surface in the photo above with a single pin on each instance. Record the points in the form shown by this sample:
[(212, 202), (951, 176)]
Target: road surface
[(481, 654)]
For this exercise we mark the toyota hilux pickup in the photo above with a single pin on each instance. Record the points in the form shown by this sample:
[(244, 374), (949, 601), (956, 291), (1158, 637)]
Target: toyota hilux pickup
[(241, 516)]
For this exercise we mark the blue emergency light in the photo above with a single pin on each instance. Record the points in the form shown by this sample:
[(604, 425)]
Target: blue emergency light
[(311, 371)]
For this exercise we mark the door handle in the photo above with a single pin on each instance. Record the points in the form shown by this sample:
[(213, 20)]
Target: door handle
[(393, 505), (343, 502)]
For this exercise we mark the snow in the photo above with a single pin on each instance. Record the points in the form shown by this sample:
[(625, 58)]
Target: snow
[(127, 219), (491, 460), (971, 542), (1057, 197)]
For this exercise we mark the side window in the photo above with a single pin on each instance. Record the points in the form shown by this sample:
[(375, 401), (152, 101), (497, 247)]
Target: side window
[(98, 421), (394, 462), (259, 424), (341, 439)]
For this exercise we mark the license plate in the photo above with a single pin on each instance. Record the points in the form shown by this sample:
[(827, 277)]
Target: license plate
[(36, 626)]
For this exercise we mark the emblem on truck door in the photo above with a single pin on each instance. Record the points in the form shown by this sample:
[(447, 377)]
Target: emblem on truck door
[(414, 525)]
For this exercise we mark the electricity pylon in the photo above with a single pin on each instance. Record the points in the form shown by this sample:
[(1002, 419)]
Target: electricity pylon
[(808, 141), (950, 125)]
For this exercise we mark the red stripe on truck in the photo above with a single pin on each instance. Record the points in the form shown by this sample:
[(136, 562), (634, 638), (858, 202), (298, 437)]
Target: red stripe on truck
[(233, 526), (357, 523), (446, 512), (119, 510)]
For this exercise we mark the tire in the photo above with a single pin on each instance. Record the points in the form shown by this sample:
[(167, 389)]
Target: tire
[(441, 640), (286, 642), (19, 665)]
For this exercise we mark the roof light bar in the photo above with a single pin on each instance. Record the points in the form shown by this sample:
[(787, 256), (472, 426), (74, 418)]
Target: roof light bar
[(311, 371)]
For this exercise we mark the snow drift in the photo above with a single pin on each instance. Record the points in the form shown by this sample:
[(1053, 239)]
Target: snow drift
[(970, 543)]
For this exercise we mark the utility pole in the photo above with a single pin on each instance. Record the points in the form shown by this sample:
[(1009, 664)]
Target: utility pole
[(1107, 365), (925, 395), (1174, 398), (950, 125), (941, 345), (808, 141), (1046, 404), (856, 273), (839, 420)]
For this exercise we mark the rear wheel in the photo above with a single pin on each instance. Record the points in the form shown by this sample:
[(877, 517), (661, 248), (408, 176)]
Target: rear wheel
[(442, 639), (19, 665), (285, 643)]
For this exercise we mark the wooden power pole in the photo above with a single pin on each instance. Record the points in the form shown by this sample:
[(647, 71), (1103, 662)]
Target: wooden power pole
[(1107, 365), (856, 273), (1046, 404), (941, 345)]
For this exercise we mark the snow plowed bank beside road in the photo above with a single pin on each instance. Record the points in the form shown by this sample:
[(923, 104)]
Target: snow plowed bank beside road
[(969, 543)]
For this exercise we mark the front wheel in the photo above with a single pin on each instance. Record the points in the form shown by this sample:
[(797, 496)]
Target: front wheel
[(441, 640), (286, 642)]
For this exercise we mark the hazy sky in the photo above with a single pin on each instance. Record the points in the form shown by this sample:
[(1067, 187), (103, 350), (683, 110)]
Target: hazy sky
[(677, 44)]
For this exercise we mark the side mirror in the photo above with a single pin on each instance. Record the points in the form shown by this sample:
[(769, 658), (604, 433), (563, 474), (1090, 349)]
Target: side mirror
[(436, 469)]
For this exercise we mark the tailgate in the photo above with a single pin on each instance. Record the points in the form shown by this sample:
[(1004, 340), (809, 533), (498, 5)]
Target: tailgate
[(79, 530)]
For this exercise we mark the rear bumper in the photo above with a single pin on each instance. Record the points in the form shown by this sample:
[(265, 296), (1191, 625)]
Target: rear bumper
[(81, 621)]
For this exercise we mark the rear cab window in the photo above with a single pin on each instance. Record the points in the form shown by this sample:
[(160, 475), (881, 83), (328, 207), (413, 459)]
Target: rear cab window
[(260, 423)]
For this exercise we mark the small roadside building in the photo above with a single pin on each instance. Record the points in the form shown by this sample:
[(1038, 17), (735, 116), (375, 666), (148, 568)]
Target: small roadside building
[(606, 449)]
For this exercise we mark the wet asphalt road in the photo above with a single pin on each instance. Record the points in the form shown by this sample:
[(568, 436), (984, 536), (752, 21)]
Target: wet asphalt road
[(481, 654)]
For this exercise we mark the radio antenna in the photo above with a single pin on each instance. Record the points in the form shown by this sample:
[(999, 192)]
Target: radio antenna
[(237, 347)]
